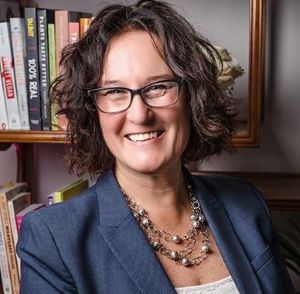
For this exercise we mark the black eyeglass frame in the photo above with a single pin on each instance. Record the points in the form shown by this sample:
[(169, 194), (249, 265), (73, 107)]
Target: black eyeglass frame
[(92, 93)]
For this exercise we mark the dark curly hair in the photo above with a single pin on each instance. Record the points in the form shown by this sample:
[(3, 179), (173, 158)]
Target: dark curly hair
[(189, 55)]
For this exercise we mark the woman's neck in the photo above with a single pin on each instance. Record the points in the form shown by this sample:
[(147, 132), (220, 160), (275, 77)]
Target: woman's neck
[(163, 195)]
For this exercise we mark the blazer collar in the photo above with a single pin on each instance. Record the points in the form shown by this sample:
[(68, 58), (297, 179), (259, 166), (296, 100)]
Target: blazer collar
[(127, 241), (132, 249), (230, 247)]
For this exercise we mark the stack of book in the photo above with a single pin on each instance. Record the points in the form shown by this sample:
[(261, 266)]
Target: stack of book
[(30, 49), (15, 203)]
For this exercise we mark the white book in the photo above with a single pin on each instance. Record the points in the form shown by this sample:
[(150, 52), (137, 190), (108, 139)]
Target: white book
[(17, 28), (3, 114), (5, 276), (15, 205), (8, 77)]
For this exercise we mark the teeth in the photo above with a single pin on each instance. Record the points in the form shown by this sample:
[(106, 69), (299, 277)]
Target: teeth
[(142, 137)]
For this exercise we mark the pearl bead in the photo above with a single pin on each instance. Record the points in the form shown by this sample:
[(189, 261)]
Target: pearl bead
[(174, 255), (194, 217), (145, 222), (205, 248), (196, 224), (185, 261), (156, 245), (176, 239), (201, 218)]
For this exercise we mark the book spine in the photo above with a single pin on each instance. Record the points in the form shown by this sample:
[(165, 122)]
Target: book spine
[(44, 67), (73, 32), (3, 114), (17, 28), (84, 24), (61, 34), (12, 218), (52, 68), (8, 79), (33, 86), (10, 249), (5, 276)]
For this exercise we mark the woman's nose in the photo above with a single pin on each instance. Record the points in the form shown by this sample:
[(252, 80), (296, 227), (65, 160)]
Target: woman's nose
[(139, 112)]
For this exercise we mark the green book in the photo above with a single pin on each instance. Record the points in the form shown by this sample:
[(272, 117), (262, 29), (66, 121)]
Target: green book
[(69, 191)]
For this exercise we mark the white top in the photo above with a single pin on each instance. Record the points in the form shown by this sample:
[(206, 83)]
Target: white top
[(224, 286)]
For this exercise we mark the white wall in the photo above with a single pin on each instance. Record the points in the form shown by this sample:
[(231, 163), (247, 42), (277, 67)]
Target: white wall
[(279, 150)]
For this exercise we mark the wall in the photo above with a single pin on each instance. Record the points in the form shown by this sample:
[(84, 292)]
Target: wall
[(279, 150)]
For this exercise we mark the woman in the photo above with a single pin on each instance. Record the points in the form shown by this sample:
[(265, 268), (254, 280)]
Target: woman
[(140, 94)]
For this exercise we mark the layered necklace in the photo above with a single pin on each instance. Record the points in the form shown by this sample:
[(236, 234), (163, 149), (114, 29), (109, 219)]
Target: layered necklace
[(187, 241)]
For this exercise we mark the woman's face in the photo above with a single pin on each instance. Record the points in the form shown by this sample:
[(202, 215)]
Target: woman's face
[(142, 139)]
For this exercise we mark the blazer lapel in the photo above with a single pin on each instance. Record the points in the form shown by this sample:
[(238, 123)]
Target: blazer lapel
[(127, 241), (227, 241)]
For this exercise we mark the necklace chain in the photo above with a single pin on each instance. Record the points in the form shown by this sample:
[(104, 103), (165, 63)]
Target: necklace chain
[(188, 240)]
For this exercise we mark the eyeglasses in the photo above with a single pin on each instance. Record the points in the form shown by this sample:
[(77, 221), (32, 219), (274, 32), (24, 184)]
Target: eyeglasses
[(118, 99)]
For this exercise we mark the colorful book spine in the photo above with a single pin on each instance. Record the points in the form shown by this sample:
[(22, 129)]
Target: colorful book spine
[(84, 25), (8, 78), (44, 67), (15, 205), (52, 62), (32, 67), (61, 33), (73, 27), (5, 276), (3, 114), (6, 194), (17, 28), (22, 213), (69, 191)]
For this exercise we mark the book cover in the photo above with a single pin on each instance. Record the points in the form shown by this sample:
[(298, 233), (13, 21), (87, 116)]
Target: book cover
[(22, 213), (32, 69), (44, 67), (17, 28), (69, 191), (3, 114), (7, 192), (8, 77), (15, 205)]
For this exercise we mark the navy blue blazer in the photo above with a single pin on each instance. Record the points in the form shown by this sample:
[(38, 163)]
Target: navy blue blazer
[(93, 244)]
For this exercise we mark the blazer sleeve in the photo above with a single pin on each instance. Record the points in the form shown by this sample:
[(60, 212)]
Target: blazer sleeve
[(42, 268)]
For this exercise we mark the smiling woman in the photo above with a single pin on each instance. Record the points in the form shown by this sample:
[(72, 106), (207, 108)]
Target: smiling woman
[(141, 97)]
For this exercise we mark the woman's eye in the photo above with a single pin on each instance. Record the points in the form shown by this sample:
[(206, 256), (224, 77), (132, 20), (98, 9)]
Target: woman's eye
[(114, 92)]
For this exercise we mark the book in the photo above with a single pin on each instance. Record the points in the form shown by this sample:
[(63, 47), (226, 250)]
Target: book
[(20, 215), (85, 22), (32, 69), (52, 63), (5, 276), (44, 67), (69, 191), (17, 28), (61, 34), (8, 77), (15, 205), (3, 114), (73, 26), (7, 192)]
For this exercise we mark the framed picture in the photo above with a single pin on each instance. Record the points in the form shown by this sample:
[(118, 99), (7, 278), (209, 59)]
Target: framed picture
[(238, 28)]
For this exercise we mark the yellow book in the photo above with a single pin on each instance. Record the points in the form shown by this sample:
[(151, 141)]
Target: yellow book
[(69, 191)]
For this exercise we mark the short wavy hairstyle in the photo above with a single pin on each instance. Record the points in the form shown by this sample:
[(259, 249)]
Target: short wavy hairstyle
[(190, 56)]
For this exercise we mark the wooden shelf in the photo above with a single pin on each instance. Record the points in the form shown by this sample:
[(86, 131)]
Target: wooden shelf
[(33, 136), (280, 190)]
